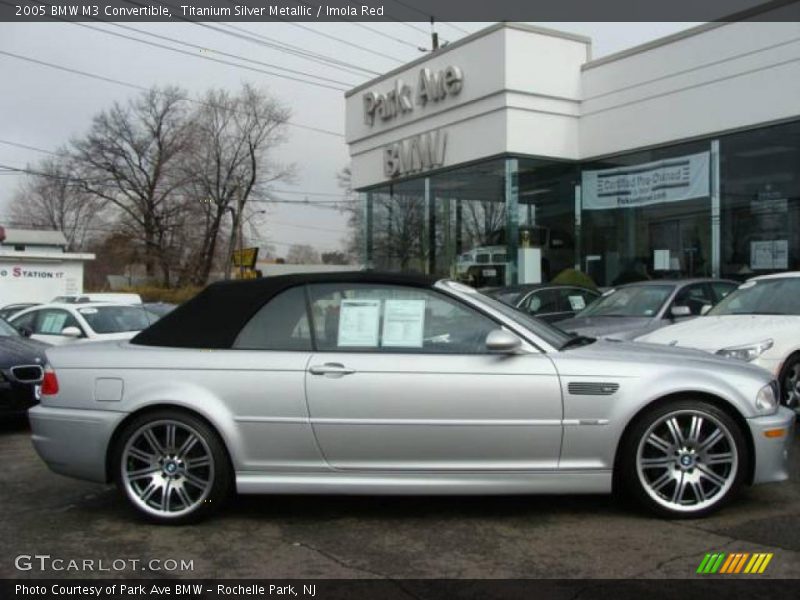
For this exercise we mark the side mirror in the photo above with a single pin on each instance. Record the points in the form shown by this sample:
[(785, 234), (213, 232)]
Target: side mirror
[(71, 332), (500, 341), (705, 309), (681, 311), (25, 331)]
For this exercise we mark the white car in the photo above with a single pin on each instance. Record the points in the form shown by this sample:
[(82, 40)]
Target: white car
[(759, 323), (61, 323)]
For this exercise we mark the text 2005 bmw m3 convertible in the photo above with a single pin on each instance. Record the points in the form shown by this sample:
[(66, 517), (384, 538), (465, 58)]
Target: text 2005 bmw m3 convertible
[(369, 383)]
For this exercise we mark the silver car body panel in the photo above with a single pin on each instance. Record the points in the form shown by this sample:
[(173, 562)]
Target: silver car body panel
[(405, 423)]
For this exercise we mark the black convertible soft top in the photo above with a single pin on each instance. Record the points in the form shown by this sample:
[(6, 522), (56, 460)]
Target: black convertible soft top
[(214, 317)]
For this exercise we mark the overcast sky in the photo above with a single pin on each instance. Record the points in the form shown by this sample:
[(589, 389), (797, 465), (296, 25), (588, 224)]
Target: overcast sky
[(44, 107)]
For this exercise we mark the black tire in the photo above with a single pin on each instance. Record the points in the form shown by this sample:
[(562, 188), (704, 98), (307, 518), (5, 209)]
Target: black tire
[(655, 487), (217, 476), (788, 372)]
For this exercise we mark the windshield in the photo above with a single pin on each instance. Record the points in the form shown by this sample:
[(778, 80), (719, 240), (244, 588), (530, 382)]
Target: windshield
[(762, 297), (553, 336), (7, 330), (115, 319), (633, 301)]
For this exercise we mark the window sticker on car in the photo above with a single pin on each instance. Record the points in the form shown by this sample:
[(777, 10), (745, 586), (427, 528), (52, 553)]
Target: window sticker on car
[(53, 323), (577, 302), (359, 322), (403, 323), (88, 311)]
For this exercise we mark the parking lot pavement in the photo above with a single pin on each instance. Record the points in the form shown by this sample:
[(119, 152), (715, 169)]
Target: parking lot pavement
[(384, 537)]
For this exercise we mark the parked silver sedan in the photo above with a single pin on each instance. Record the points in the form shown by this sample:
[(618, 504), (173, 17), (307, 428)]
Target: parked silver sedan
[(363, 383)]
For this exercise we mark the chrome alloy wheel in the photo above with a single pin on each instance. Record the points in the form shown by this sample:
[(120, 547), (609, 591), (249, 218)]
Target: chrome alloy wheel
[(687, 460), (167, 468), (791, 386)]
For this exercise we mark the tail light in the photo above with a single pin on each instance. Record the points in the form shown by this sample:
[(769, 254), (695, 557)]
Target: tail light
[(49, 382)]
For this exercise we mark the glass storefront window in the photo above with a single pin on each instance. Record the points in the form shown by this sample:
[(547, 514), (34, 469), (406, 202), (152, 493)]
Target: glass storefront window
[(670, 239), (512, 220), (760, 201)]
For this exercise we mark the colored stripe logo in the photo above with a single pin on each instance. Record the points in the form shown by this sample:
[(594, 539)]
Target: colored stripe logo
[(734, 563)]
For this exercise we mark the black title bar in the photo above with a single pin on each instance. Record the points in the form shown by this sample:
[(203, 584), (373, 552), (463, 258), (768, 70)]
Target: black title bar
[(397, 10)]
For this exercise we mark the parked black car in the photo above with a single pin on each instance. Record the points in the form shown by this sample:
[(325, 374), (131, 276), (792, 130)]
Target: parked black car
[(21, 370), (549, 302)]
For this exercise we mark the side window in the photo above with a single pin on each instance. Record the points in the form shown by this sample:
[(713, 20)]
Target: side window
[(54, 322), (370, 318), (695, 297), (26, 321), (543, 302), (281, 324), (722, 289), (575, 299)]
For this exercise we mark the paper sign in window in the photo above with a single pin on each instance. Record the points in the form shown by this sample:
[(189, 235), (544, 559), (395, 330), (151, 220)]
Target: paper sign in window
[(403, 323), (359, 321), (53, 323), (577, 302)]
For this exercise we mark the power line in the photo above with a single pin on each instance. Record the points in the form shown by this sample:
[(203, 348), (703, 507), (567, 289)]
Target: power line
[(364, 48), (314, 203), (362, 26), (429, 15), (409, 25), (216, 60), (229, 55), (26, 147), (272, 43), (141, 87), (262, 40)]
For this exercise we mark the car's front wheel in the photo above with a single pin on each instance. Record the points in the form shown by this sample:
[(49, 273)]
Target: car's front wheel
[(172, 466), (790, 382), (684, 459)]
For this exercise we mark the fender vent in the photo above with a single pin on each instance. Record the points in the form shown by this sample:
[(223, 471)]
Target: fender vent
[(592, 389)]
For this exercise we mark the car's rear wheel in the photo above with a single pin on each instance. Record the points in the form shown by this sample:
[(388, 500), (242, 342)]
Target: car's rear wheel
[(790, 382), (684, 459), (172, 467)]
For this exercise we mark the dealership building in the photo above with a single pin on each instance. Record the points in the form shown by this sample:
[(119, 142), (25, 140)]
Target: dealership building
[(511, 155)]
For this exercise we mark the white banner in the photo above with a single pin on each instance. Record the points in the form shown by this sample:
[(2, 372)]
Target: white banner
[(669, 180)]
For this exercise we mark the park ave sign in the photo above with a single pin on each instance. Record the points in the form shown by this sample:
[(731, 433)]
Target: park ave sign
[(432, 86)]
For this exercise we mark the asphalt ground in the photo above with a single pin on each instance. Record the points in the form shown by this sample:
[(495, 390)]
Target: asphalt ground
[(378, 537)]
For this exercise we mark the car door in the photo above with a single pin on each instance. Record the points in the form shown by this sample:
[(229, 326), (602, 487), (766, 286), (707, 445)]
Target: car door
[(544, 304), (694, 296), (401, 380), (48, 324)]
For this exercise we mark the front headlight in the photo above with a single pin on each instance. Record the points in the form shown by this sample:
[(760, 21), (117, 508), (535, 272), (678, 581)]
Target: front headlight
[(746, 353), (767, 399)]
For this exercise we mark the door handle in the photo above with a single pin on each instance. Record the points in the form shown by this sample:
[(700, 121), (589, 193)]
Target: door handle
[(330, 369)]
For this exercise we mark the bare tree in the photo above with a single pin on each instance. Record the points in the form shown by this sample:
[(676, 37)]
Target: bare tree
[(128, 158), (230, 163), (302, 254), (49, 198), (354, 209)]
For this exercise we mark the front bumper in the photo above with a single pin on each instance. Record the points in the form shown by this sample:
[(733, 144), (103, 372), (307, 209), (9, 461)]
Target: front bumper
[(16, 398), (772, 453), (74, 442)]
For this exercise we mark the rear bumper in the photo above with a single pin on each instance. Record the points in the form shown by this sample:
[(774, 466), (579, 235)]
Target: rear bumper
[(74, 442), (772, 453)]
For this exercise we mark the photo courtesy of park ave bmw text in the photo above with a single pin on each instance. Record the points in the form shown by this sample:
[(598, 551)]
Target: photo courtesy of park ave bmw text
[(390, 299)]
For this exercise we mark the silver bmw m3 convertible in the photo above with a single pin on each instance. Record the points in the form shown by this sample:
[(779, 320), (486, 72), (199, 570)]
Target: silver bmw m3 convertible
[(369, 383)]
